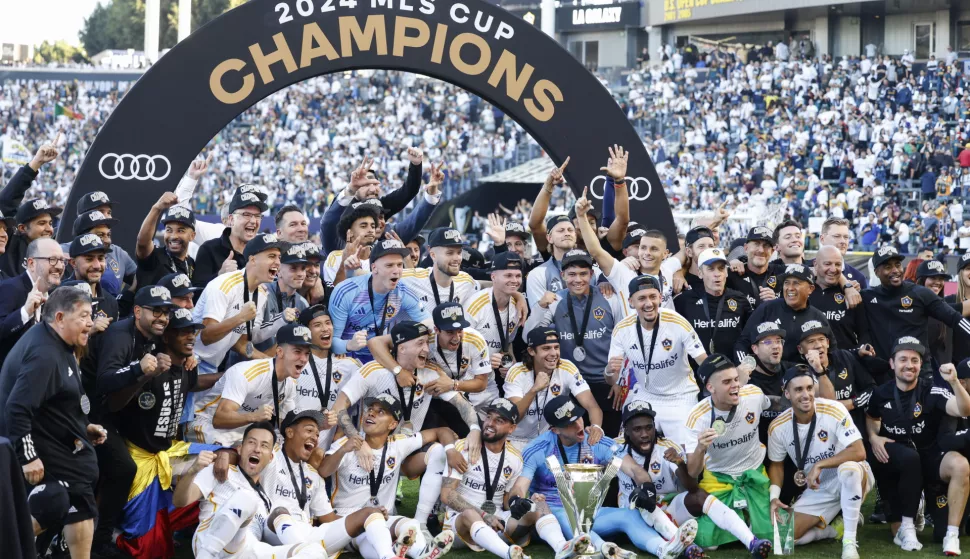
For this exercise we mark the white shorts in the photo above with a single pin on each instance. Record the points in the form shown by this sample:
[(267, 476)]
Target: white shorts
[(826, 501), (677, 510), (200, 430), (672, 412), (451, 516), (332, 535)]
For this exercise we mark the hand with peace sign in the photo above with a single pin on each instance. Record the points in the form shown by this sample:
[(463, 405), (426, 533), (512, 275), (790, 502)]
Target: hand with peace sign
[(617, 163), (46, 153), (358, 178), (556, 175), (199, 167), (437, 177)]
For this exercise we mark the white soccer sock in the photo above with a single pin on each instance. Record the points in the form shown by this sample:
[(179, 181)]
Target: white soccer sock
[(952, 530), (816, 534), (416, 550), (379, 536), (660, 522), (483, 535), (851, 479), (430, 490), (726, 519), (228, 520), (550, 531), (907, 522), (291, 530)]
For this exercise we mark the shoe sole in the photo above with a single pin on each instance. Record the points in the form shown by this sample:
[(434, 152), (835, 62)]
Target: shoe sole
[(404, 541), (440, 545), (763, 549), (515, 552), (682, 540)]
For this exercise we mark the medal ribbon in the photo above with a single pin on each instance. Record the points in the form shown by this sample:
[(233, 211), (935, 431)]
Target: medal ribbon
[(653, 343), (299, 489), (259, 490), (434, 290), (802, 457), (447, 366), (379, 330), (579, 335), (562, 452), (324, 395), (490, 487), (503, 339), (410, 406), (717, 315), (375, 481), (249, 323)]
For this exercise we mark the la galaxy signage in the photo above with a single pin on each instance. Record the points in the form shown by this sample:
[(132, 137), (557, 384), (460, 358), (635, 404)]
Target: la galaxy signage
[(263, 46)]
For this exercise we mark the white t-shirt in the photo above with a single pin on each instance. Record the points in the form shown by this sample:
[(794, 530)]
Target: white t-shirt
[(670, 375), (223, 298), (332, 265), (964, 240), (352, 490), (738, 449), (278, 484), (566, 379), (216, 493), (662, 472), (419, 281), (374, 379), (474, 361), (308, 395), (471, 485), (620, 277)]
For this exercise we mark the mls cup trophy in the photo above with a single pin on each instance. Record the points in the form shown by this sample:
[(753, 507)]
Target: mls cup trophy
[(582, 489)]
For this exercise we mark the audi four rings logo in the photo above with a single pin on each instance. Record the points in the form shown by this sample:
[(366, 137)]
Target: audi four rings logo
[(128, 167), (632, 183)]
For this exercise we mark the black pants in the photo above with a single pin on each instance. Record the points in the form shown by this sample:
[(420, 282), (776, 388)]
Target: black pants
[(117, 474), (443, 414), (908, 474), (611, 418)]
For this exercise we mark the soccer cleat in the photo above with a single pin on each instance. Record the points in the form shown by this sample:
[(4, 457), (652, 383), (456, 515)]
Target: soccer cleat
[(951, 545), (683, 538), (839, 526), (694, 551), (878, 515), (613, 551), (440, 545), (906, 539), (405, 540), (574, 547), (760, 549), (515, 552), (850, 549)]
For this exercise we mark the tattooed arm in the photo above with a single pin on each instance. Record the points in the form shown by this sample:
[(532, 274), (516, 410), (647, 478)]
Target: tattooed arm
[(470, 417), (451, 497)]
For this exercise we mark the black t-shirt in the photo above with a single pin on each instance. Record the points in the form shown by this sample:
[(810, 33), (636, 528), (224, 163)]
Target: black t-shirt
[(160, 263), (151, 418), (724, 329), (750, 284), (925, 405), (849, 325)]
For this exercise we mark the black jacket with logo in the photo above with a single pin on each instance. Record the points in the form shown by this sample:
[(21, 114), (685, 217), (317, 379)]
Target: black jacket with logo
[(700, 309), (848, 325), (787, 318)]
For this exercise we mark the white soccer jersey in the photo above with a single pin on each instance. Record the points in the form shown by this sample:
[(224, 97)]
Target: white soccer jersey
[(662, 473), (670, 375), (834, 431), (462, 289), (278, 484), (374, 379), (216, 493), (223, 298), (332, 265), (471, 484), (249, 384), (474, 361), (738, 449), (481, 315), (352, 488), (566, 379), (343, 368), (620, 277)]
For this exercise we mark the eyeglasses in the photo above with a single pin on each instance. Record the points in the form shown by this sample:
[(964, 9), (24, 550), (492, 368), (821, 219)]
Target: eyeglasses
[(248, 215), (159, 312), (52, 260), (771, 343)]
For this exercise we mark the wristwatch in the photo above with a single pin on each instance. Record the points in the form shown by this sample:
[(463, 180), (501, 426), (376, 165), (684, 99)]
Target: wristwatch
[(249, 350), (396, 370)]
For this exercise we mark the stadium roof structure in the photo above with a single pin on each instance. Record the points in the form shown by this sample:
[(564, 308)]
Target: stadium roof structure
[(530, 172)]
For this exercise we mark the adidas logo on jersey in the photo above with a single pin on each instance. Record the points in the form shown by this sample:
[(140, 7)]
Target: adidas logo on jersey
[(888, 406), (873, 300)]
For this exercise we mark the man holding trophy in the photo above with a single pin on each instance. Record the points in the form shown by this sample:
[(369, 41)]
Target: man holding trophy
[(573, 475)]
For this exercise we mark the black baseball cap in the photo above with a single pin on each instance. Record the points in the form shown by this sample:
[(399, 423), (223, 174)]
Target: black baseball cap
[(242, 199), (797, 271), (262, 243), (633, 238), (294, 334), (86, 244), (963, 369), (563, 410), (767, 329), (384, 247), (812, 327), (964, 261), (179, 285), (30, 209), (516, 229), (449, 316), (294, 416), (179, 214), (504, 408), (408, 330), (541, 336), (182, 318), (637, 408), (293, 253), (445, 237), (555, 220), (759, 233), (645, 281), (796, 371), (8, 221), (93, 200), (308, 314), (885, 254), (313, 252), (577, 257), (88, 221), (698, 233), (390, 404), (715, 363), (153, 296), (472, 258), (507, 260), (931, 269), (375, 202), (253, 189), (909, 342)]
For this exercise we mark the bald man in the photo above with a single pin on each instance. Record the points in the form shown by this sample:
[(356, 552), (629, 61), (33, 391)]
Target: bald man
[(849, 326), (22, 296)]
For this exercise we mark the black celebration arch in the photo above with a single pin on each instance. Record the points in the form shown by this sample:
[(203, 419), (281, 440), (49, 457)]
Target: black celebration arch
[(263, 46)]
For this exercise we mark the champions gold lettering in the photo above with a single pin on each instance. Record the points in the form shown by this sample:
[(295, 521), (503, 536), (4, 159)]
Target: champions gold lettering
[(233, 81)]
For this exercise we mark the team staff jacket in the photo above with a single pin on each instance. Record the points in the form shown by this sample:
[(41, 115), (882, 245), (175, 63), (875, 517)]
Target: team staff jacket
[(12, 260), (895, 312), (750, 284), (957, 340), (921, 417), (43, 413), (209, 259), (849, 325), (120, 350), (787, 318), (700, 308)]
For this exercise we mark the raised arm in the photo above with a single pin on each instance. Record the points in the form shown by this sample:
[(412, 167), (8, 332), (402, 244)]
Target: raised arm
[(537, 219), (592, 242), (616, 168), (145, 242), (397, 200)]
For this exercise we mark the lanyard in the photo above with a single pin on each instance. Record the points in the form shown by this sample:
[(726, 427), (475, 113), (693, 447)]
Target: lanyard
[(579, 333), (905, 418), (434, 290), (802, 456), (447, 365), (174, 264), (490, 487), (562, 452), (730, 416), (375, 481), (276, 397), (536, 401), (504, 330), (259, 490), (249, 323), (717, 315), (279, 297), (298, 488), (410, 406), (653, 343), (379, 330), (324, 395)]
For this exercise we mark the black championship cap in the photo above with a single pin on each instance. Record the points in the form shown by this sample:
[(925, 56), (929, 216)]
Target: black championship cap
[(768, 329), (963, 369), (633, 238), (445, 237), (812, 327), (90, 220), (555, 220), (964, 261), (179, 285), (262, 243), (153, 296), (384, 247), (30, 209), (645, 281), (179, 214), (313, 252), (86, 244), (698, 233), (93, 200), (390, 404), (449, 316), (885, 254), (507, 260), (516, 229), (8, 221), (294, 334), (408, 330), (715, 363), (308, 314), (252, 189), (797, 271), (504, 408), (294, 416), (562, 410), (797, 371), (182, 318), (541, 336), (931, 269), (577, 257), (909, 342), (637, 408), (242, 200), (759, 233), (472, 258), (293, 253)]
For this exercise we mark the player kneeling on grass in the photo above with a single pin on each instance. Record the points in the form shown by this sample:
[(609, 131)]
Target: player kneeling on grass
[(664, 460), (826, 447), (475, 500), (373, 483)]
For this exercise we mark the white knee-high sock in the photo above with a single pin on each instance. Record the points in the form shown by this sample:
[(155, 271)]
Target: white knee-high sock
[(430, 490), (726, 519), (483, 535), (378, 535), (816, 534), (550, 531), (660, 522), (228, 520), (851, 479), (416, 550), (291, 530)]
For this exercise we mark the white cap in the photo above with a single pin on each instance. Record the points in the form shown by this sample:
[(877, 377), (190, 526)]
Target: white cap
[(710, 256)]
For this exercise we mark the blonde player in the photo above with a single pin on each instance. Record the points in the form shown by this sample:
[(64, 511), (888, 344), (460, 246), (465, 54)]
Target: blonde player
[(655, 343), (827, 449)]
